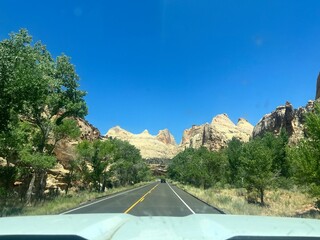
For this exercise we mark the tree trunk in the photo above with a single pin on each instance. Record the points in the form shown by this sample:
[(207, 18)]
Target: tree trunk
[(261, 196), (42, 185), (30, 189), (69, 181), (104, 183)]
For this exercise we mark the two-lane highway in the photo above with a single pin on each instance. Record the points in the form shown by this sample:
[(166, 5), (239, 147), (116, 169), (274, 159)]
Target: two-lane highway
[(156, 199)]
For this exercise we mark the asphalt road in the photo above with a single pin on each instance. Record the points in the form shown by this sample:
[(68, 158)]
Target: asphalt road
[(156, 199)]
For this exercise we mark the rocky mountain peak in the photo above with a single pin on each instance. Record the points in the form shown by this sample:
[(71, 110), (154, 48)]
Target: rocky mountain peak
[(145, 133), (242, 121), (166, 137), (222, 120), (118, 131), (244, 126)]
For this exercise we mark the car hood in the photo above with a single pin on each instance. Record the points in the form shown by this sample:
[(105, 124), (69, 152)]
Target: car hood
[(125, 226)]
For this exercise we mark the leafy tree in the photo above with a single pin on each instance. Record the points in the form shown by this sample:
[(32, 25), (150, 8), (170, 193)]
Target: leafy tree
[(99, 154), (178, 168), (68, 128), (39, 162), (128, 166), (198, 167), (101, 161), (305, 156), (216, 164), (235, 167), (257, 164), (197, 172), (73, 175), (13, 141), (29, 68), (278, 144), (18, 76)]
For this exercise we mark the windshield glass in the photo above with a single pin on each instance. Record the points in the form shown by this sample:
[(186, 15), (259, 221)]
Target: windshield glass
[(160, 108)]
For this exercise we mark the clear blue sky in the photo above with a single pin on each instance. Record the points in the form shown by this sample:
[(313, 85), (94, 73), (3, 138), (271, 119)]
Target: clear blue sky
[(155, 64)]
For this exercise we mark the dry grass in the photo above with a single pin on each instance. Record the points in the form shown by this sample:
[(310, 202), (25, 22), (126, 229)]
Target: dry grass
[(279, 202)]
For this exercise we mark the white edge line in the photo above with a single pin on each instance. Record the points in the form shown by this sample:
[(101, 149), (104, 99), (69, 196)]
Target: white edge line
[(106, 198), (182, 200)]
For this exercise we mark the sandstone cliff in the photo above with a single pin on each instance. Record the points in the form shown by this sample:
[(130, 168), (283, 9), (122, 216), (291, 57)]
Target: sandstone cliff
[(162, 145), (216, 135), (65, 152), (284, 117)]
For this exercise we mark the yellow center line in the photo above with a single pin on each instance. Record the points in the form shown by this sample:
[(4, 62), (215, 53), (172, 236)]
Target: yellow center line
[(140, 199)]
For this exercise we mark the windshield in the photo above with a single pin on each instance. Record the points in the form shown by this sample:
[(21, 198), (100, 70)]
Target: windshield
[(160, 108)]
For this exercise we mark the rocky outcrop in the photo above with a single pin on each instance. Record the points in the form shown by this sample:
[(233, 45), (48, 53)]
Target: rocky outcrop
[(216, 135), (56, 178), (162, 145), (65, 149), (166, 137), (65, 152), (88, 131), (287, 118)]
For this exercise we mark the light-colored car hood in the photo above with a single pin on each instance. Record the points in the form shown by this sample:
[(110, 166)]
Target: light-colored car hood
[(125, 226)]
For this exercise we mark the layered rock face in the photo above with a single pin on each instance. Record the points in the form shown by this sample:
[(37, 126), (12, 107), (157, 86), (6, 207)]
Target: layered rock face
[(216, 135), (162, 145), (65, 152), (287, 118)]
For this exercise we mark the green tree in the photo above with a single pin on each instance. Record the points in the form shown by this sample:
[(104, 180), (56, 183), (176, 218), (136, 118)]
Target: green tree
[(128, 166), (277, 145), (306, 155), (257, 159), (179, 166), (18, 76), (67, 129), (99, 155), (29, 68), (102, 162), (198, 167), (197, 172), (40, 163), (235, 167)]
